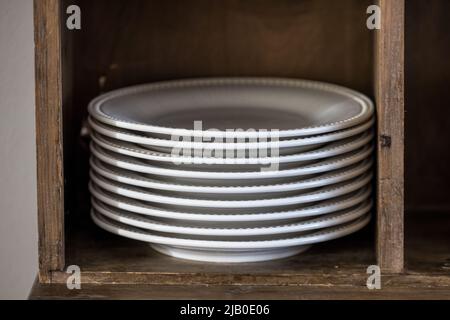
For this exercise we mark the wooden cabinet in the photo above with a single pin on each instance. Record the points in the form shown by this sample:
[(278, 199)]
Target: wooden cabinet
[(124, 43)]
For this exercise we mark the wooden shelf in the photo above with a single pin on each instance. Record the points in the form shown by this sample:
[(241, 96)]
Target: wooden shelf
[(297, 39), (64, 91), (137, 272), (106, 258), (404, 291)]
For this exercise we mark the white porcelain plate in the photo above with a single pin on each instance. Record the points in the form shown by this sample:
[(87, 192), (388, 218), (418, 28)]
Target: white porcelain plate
[(242, 230), (284, 189), (215, 217), (329, 150), (319, 194), (236, 178), (181, 147), (294, 107), (228, 256), (239, 250)]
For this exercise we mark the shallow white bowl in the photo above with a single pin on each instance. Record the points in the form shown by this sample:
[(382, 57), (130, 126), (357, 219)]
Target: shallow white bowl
[(283, 189), (228, 256), (215, 217), (329, 150), (272, 247), (295, 107), (236, 178), (271, 204), (243, 230), (189, 148)]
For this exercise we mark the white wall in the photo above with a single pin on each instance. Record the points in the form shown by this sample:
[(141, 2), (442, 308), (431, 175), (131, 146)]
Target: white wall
[(18, 220)]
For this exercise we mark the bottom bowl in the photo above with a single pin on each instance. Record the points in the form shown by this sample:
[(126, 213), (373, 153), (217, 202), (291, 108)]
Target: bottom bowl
[(229, 256)]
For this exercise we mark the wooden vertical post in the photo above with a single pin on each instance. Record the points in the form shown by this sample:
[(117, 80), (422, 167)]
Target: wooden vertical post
[(389, 93), (49, 144)]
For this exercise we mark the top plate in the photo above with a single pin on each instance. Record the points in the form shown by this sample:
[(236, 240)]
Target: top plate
[(293, 107)]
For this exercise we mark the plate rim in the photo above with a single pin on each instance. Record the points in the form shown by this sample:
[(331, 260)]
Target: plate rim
[(323, 235), (315, 196), (303, 141), (324, 165), (324, 179), (315, 223), (322, 208), (366, 105), (329, 150)]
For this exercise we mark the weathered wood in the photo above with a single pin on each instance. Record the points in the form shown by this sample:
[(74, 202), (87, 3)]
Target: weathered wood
[(137, 274), (408, 290), (389, 92), (49, 136), (313, 275)]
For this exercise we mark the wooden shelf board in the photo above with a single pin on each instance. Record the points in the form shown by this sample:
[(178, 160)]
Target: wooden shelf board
[(116, 268), (106, 258), (158, 292)]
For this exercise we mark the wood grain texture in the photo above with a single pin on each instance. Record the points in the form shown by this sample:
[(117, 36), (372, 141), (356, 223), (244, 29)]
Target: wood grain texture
[(70, 137), (400, 288), (389, 92), (49, 137)]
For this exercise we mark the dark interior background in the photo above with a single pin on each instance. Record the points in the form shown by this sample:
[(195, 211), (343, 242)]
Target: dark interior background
[(427, 105)]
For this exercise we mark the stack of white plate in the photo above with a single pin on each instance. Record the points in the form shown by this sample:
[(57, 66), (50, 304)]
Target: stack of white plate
[(232, 170)]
